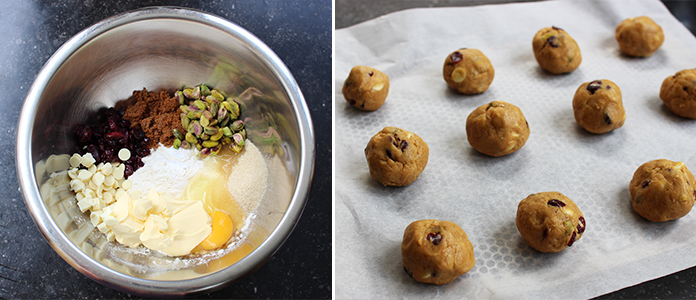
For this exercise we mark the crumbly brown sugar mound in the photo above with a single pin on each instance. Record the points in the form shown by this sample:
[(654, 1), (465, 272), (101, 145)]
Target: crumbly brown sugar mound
[(156, 112)]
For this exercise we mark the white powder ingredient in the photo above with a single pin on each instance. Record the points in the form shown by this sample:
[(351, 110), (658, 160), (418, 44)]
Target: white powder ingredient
[(167, 170)]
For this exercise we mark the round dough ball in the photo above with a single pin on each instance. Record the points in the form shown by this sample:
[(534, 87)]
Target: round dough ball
[(678, 92), (497, 128), (639, 37), (549, 221), (436, 252), (366, 88), (468, 71), (598, 107), (396, 157), (662, 190), (556, 51)]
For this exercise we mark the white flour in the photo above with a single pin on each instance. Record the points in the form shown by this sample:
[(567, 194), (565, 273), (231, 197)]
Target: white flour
[(167, 170)]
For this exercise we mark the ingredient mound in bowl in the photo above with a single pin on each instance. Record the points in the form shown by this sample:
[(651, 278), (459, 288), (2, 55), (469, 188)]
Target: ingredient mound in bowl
[(173, 173)]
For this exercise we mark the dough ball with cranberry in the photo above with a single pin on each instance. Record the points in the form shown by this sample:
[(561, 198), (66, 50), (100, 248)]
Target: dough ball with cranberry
[(436, 252), (556, 51), (468, 71), (549, 221), (366, 88)]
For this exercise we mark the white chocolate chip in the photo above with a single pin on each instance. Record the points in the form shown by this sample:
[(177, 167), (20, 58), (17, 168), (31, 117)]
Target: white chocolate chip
[(75, 160), (124, 154), (98, 178), (459, 74), (87, 160), (84, 175), (126, 185), (378, 87)]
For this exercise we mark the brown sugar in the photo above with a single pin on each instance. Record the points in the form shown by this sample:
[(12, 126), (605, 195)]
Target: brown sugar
[(156, 112)]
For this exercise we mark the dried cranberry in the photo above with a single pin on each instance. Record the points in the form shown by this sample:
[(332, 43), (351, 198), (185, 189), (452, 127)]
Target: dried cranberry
[(351, 102), (456, 57), (556, 203), (128, 171), (556, 28), (553, 41), (434, 238), (115, 135), (645, 184), (607, 119), (572, 239), (84, 134), (594, 86), (371, 73), (581, 221), (389, 154), (403, 145)]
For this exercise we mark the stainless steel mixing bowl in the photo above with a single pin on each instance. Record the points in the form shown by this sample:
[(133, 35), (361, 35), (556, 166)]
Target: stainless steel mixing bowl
[(163, 48)]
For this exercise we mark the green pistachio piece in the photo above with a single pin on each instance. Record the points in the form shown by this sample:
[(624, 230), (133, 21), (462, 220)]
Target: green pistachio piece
[(177, 134), (217, 95), (208, 115), (200, 104), (188, 92), (205, 90), (184, 109), (204, 152), (216, 136), (196, 92), (180, 97), (185, 121), (237, 125), (197, 128), (205, 121), (194, 115), (185, 145), (199, 147), (191, 138), (210, 144), (226, 131), (209, 130), (177, 144), (204, 136), (213, 108)]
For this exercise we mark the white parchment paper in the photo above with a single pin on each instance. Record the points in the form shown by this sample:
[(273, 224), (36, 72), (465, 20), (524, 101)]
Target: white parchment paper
[(481, 193)]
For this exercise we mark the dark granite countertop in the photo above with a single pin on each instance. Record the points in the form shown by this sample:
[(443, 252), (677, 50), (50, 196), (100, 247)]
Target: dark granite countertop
[(298, 31), (680, 285)]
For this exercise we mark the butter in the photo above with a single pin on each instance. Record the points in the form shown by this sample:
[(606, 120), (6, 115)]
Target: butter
[(157, 221)]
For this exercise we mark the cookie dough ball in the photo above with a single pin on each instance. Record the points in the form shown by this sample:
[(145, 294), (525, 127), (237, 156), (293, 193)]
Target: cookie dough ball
[(598, 107), (366, 88), (678, 92), (662, 190), (497, 128), (556, 51), (396, 157), (468, 71), (436, 252), (549, 221), (639, 36)]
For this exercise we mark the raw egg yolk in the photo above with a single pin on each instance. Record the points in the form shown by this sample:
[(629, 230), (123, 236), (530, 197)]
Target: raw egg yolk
[(222, 231)]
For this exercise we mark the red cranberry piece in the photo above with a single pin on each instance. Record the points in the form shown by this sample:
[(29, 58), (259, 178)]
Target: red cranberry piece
[(607, 119), (84, 134), (403, 145), (456, 57), (556, 203), (389, 154), (646, 184), (572, 239), (352, 102), (556, 28), (371, 73), (128, 171), (553, 41), (115, 135), (434, 238), (581, 229), (594, 86)]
